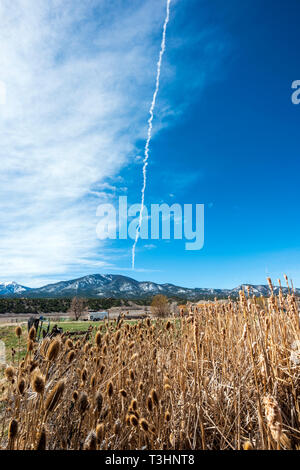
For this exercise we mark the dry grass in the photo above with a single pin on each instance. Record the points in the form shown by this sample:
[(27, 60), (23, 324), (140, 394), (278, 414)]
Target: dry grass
[(226, 378)]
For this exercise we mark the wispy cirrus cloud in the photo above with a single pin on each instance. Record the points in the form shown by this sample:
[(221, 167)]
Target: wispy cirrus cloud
[(78, 80), (77, 76)]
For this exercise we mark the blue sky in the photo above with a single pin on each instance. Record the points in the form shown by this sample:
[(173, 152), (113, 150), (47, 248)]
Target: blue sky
[(79, 78)]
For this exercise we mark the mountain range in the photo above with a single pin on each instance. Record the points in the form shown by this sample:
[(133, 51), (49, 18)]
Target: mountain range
[(117, 286)]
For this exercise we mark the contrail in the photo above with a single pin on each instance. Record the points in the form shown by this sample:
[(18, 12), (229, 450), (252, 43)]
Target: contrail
[(146, 151)]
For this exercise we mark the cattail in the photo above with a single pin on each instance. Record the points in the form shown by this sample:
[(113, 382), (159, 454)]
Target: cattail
[(102, 369), (38, 383), (9, 373), (168, 325), (18, 331), (144, 424), (167, 416), (21, 386), (41, 440), (75, 395), (83, 403), (32, 333), (131, 374), (248, 446), (273, 417), (109, 389), (99, 401), (123, 393), (91, 441), (54, 396), (70, 356), (98, 339), (53, 350)]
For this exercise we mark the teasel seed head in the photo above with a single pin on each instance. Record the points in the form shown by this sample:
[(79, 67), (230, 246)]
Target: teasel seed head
[(110, 389), (32, 366), (53, 350), (41, 440), (248, 446), (93, 380), (273, 417), (54, 396), (123, 393), (144, 424), (154, 397), (69, 344), (100, 432), (133, 404), (38, 383), (9, 373), (127, 419), (21, 386), (149, 404), (18, 331), (32, 333), (98, 339), (134, 420), (84, 374), (83, 403), (91, 441), (99, 401), (13, 429), (70, 356)]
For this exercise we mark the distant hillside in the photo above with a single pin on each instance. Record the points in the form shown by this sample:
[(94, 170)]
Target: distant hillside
[(115, 286)]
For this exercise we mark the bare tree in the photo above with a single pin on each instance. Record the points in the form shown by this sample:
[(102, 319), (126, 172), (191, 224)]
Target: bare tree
[(78, 307), (160, 306)]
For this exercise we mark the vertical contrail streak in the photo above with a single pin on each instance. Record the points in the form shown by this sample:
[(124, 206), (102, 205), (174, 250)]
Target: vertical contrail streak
[(146, 152)]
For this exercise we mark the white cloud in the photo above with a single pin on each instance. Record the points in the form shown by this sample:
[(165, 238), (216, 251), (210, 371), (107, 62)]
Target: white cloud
[(78, 77)]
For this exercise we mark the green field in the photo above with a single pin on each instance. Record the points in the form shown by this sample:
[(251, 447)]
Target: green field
[(8, 336)]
